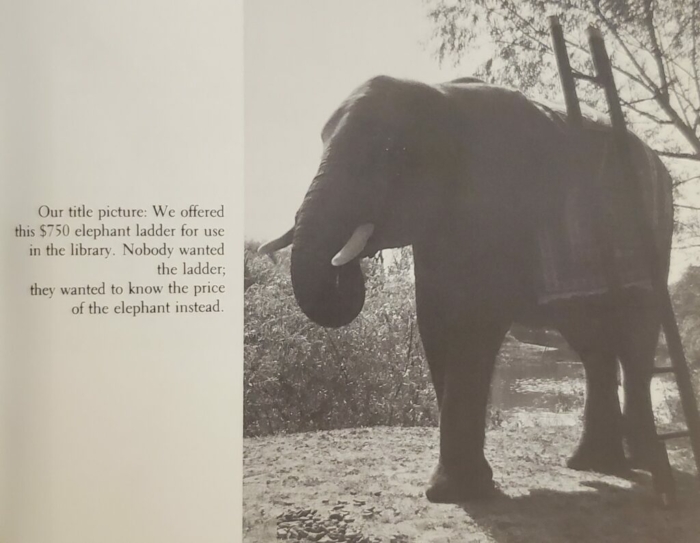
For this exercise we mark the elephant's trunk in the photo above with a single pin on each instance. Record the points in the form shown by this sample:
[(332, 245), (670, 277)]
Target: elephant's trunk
[(330, 295)]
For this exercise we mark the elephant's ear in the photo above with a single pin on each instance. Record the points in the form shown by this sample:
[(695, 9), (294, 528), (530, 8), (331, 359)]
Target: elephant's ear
[(432, 179)]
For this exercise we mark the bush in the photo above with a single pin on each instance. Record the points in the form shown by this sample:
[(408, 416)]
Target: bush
[(686, 302), (300, 376), (685, 295)]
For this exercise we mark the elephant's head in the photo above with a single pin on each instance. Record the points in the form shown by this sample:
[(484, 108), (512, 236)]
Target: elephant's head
[(383, 149)]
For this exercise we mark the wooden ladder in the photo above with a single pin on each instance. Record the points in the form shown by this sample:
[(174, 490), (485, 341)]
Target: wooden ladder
[(661, 472)]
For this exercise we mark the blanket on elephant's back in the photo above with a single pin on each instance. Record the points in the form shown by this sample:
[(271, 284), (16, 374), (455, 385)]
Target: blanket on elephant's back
[(595, 207)]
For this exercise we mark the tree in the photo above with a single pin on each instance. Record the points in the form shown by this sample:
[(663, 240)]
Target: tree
[(653, 45)]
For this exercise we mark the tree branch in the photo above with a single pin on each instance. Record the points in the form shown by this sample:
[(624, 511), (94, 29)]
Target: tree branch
[(651, 116), (655, 47), (694, 52), (513, 11), (682, 100), (649, 83), (661, 97), (685, 156), (683, 206), (686, 180), (639, 101)]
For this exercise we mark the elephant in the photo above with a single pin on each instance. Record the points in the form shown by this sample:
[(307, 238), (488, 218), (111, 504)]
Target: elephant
[(470, 174)]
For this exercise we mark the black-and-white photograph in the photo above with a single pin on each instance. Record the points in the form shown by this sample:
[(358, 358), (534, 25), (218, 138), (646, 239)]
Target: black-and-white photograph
[(471, 271)]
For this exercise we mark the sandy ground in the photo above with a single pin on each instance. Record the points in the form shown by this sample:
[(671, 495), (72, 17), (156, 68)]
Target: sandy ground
[(366, 485)]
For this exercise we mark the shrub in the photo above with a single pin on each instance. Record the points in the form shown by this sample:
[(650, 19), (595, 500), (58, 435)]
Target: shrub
[(686, 302), (299, 376), (685, 295)]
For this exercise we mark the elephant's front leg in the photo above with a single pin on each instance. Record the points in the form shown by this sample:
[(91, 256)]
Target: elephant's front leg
[(461, 359)]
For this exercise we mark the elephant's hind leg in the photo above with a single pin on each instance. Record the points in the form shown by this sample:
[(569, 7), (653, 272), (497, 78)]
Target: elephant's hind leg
[(461, 359), (600, 448), (637, 351)]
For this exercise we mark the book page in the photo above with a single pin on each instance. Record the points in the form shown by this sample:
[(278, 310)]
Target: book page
[(121, 182)]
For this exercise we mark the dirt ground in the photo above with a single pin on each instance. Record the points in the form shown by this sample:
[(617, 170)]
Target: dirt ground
[(366, 485)]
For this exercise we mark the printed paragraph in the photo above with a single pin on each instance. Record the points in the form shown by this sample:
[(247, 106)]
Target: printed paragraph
[(180, 250)]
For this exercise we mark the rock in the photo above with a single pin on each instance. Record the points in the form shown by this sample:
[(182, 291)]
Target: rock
[(304, 524)]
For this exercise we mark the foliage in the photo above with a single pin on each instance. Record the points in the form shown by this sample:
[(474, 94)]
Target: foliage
[(685, 296), (686, 302), (299, 376), (653, 46)]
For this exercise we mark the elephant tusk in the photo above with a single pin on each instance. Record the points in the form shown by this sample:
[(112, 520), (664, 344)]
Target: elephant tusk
[(276, 244), (355, 244)]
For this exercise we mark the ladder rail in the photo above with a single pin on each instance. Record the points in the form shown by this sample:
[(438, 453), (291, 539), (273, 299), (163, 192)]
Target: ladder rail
[(568, 84)]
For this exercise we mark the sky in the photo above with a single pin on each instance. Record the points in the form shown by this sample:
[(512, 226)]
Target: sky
[(302, 59)]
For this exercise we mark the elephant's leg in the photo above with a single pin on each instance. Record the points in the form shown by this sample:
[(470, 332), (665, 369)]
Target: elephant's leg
[(637, 352), (600, 448), (433, 339), (461, 360)]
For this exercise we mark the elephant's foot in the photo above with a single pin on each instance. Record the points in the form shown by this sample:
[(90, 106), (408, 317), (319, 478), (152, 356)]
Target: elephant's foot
[(602, 459), (447, 487), (640, 446), (640, 455), (643, 463)]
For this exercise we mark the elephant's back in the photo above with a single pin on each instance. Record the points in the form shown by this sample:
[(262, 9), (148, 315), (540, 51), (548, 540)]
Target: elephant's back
[(479, 97)]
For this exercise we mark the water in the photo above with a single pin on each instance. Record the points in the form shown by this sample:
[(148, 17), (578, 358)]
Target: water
[(529, 377), (543, 378)]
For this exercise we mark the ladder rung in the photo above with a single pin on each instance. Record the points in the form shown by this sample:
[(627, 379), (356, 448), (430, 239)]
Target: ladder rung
[(673, 435), (663, 369), (580, 75)]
